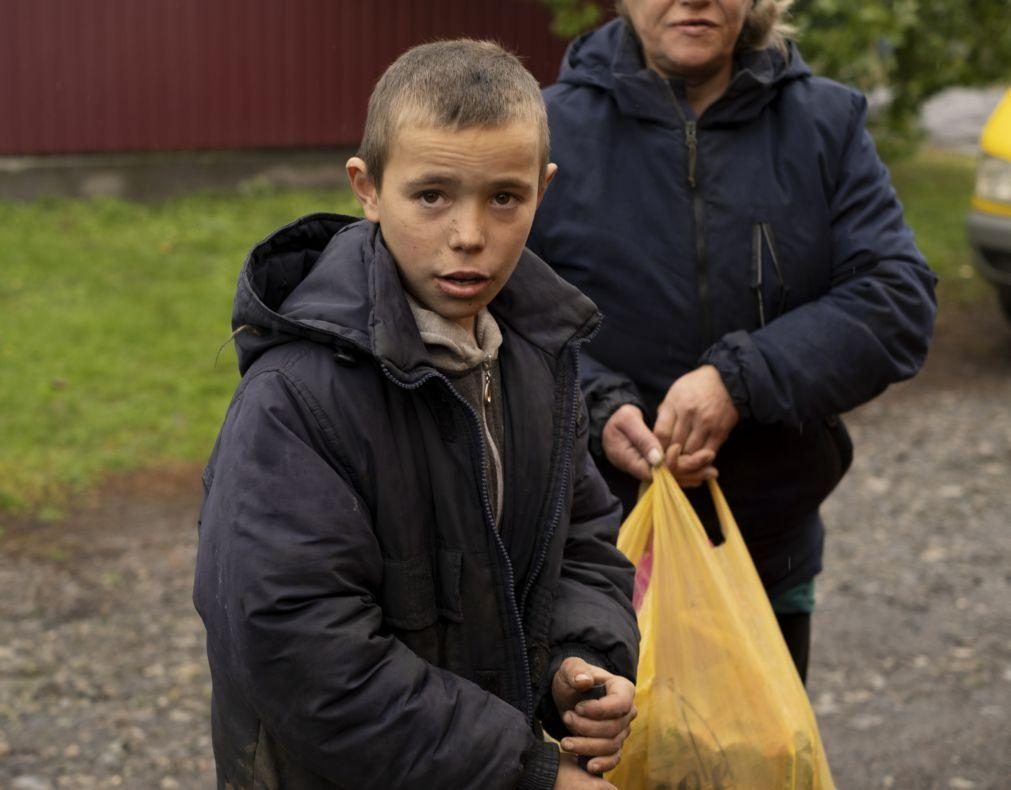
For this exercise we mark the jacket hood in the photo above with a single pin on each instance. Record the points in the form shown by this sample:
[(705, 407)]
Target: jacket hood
[(610, 58), (329, 278)]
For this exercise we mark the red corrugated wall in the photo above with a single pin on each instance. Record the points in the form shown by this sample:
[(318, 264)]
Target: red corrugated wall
[(148, 75)]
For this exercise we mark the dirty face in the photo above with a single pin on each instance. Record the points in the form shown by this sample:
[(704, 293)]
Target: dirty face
[(689, 39), (455, 209)]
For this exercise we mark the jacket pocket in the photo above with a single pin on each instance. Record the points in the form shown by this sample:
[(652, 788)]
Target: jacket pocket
[(448, 597), (768, 279), (409, 593), (843, 443), (416, 592)]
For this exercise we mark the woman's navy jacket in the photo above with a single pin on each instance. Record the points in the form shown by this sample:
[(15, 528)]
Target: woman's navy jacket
[(763, 238), (368, 626)]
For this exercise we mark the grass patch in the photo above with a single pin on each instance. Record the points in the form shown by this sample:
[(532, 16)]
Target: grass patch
[(935, 187), (113, 314)]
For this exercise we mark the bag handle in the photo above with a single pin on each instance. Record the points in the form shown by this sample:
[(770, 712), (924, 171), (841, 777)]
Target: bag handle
[(636, 532)]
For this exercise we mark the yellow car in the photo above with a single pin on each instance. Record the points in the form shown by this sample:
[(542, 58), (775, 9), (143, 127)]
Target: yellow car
[(989, 223)]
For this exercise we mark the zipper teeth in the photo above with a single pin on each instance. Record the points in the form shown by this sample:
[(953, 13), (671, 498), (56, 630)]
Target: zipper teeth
[(691, 141), (489, 521), (756, 272), (703, 266), (566, 462)]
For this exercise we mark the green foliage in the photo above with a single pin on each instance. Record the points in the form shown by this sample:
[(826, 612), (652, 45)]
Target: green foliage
[(569, 18), (913, 47), (113, 314), (935, 188)]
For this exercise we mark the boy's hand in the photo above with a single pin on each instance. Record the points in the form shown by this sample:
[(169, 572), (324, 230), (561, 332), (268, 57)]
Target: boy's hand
[(598, 727), (572, 777)]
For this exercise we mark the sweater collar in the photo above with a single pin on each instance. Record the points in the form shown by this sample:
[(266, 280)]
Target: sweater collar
[(452, 347)]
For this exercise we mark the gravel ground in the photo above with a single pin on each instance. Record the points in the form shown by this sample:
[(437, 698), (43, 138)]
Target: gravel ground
[(911, 676), (103, 681)]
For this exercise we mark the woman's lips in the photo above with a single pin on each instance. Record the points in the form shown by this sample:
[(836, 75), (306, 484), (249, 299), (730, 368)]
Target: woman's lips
[(695, 27), (463, 285)]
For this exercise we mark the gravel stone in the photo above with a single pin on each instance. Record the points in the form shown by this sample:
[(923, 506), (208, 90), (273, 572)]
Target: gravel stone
[(104, 681)]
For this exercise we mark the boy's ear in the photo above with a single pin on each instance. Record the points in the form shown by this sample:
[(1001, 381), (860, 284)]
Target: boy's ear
[(364, 187), (549, 173)]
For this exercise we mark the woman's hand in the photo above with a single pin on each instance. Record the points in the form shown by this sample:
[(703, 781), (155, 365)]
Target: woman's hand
[(694, 419), (629, 444)]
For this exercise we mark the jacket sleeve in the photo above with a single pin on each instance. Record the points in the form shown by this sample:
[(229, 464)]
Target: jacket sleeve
[(869, 330), (605, 390), (287, 583), (592, 616)]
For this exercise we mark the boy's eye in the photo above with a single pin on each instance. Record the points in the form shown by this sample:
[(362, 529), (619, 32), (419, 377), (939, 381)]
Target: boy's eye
[(504, 199), (431, 198)]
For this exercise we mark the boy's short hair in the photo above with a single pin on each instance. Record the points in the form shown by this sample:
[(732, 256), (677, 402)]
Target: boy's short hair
[(457, 84)]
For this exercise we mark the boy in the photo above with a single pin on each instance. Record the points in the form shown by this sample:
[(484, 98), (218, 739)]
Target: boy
[(407, 559)]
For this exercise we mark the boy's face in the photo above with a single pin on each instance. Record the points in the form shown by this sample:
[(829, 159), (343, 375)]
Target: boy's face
[(456, 208)]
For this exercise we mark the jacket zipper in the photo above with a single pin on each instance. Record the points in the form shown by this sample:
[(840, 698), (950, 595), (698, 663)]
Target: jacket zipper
[(489, 521), (762, 238), (495, 455), (564, 465), (770, 240), (756, 271), (701, 265), (486, 371)]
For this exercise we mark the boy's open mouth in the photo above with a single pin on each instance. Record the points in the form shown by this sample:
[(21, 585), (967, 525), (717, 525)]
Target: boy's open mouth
[(464, 284)]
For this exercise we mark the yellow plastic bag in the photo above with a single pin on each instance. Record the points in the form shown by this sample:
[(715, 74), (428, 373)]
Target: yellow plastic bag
[(720, 703)]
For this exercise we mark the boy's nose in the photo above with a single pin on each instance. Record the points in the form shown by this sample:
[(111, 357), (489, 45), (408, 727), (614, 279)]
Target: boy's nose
[(466, 231)]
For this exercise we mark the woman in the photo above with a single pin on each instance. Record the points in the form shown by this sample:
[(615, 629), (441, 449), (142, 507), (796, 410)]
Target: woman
[(729, 215)]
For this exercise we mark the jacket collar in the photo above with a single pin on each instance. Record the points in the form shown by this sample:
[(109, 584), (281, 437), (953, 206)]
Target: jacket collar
[(330, 279), (534, 304), (611, 58)]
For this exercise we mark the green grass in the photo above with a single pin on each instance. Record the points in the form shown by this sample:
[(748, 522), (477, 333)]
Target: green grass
[(112, 317), (935, 188), (113, 314)]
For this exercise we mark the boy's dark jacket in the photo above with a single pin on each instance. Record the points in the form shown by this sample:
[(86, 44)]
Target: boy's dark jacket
[(367, 625), (790, 201)]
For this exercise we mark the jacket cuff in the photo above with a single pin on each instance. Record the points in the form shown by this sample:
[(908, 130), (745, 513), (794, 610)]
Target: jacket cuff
[(600, 407), (724, 358), (540, 767)]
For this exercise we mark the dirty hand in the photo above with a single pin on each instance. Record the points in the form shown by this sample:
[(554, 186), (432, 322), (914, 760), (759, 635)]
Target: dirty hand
[(572, 777), (597, 727), (629, 444), (696, 416)]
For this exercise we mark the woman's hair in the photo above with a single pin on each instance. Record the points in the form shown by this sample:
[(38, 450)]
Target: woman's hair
[(765, 25)]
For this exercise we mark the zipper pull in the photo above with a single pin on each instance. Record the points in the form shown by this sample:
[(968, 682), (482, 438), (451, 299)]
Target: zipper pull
[(487, 381), (691, 140)]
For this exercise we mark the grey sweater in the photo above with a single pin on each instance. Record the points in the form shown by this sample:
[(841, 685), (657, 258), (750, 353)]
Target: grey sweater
[(470, 361)]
